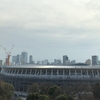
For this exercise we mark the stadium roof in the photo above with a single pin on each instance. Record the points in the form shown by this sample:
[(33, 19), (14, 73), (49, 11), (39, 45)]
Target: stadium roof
[(52, 67)]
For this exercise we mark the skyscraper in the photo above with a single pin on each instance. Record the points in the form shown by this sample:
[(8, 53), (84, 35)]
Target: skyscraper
[(14, 58), (24, 57), (65, 58), (95, 60), (1, 63), (18, 59), (30, 59)]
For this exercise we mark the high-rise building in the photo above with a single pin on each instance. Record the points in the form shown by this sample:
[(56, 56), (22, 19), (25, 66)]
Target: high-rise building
[(24, 57), (95, 60), (57, 62), (45, 62), (73, 62), (18, 59), (65, 58), (88, 62), (1, 63), (31, 59), (14, 58)]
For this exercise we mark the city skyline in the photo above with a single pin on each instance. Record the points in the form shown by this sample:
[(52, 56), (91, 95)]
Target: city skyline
[(51, 60), (24, 58), (48, 29)]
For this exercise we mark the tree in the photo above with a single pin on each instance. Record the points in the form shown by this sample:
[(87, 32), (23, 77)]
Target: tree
[(44, 87), (54, 91), (67, 89), (62, 97), (19, 99), (9, 90), (33, 96), (85, 96), (1, 98), (2, 89), (6, 90), (70, 98), (37, 96), (43, 97), (96, 91), (33, 88)]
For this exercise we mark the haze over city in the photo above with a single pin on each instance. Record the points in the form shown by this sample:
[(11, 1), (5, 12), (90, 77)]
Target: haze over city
[(49, 29)]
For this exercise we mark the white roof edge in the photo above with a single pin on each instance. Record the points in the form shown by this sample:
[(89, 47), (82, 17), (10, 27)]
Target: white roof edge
[(52, 66)]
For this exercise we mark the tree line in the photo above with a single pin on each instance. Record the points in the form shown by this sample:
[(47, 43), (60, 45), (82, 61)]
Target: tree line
[(50, 91), (6, 91), (46, 91)]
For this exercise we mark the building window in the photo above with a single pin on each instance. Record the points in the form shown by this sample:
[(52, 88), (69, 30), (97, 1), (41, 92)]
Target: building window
[(66, 72), (89, 72), (43, 72), (84, 72), (54, 72), (95, 72), (60, 72), (20, 71), (72, 72), (33, 71), (28, 71), (37, 72), (48, 72), (78, 72)]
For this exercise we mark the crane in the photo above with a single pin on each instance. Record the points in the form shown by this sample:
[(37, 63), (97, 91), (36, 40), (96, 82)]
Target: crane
[(8, 54)]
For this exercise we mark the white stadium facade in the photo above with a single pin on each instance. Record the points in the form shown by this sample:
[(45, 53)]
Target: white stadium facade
[(21, 76)]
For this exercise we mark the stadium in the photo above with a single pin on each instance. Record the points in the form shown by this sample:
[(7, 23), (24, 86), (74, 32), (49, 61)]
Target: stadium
[(21, 76)]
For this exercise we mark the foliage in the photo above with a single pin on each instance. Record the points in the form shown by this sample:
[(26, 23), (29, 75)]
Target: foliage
[(54, 91), (1, 98), (2, 89), (6, 90), (43, 97), (75, 88), (37, 96), (96, 91), (44, 87), (62, 97), (19, 99), (33, 88), (51, 90), (85, 96), (70, 98), (33, 96), (9, 90)]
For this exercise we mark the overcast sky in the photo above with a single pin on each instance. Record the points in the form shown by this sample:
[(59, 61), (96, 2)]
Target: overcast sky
[(49, 29)]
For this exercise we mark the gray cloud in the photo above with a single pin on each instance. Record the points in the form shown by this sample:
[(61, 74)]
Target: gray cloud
[(48, 27)]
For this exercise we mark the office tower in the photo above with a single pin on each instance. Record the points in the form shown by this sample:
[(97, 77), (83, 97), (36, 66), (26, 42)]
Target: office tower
[(57, 62), (30, 59), (45, 62), (1, 63), (88, 62), (14, 58), (73, 62), (18, 59), (65, 58), (24, 58), (95, 60)]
